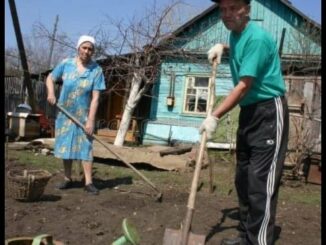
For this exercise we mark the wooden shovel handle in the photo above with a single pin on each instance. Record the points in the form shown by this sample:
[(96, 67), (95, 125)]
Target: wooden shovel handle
[(194, 184)]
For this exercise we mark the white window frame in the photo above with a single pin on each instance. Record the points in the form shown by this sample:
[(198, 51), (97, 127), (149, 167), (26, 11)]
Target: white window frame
[(197, 91)]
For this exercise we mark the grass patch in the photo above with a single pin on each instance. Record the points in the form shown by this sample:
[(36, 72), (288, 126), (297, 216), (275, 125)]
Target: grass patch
[(156, 176), (306, 193), (35, 160), (223, 175)]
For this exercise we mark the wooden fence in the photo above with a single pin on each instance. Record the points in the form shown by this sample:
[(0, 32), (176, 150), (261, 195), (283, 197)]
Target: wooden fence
[(14, 95), (304, 99)]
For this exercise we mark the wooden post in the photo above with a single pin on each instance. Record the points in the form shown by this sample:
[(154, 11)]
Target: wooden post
[(52, 41), (20, 43)]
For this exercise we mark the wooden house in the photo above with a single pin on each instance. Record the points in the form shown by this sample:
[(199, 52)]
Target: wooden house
[(181, 92), (112, 101)]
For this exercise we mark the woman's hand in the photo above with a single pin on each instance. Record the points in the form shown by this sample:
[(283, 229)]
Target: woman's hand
[(89, 127), (50, 90), (51, 99)]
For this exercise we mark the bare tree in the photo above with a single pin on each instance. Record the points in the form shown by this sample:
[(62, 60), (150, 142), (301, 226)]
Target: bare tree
[(140, 39), (12, 62), (133, 46), (37, 47), (63, 46)]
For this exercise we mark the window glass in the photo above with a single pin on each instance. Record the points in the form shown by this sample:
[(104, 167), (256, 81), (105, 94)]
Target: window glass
[(197, 94)]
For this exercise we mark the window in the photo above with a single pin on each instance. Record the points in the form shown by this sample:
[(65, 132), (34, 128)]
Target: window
[(196, 95)]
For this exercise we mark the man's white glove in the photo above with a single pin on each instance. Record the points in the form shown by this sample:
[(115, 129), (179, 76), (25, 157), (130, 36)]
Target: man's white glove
[(215, 52), (209, 125)]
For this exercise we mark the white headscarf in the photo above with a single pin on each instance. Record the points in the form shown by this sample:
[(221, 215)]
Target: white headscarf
[(85, 38)]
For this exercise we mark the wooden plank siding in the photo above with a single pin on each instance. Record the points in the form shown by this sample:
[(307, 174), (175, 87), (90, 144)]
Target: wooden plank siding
[(277, 16), (270, 14), (167, 124), (172, 124), (182, 70)]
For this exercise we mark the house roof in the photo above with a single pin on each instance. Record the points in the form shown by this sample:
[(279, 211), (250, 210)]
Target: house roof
[(305, 17), (215, 6), (188, 23)]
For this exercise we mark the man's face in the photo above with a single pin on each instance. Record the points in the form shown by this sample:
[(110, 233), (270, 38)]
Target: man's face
[(234, 14), (85, 51)]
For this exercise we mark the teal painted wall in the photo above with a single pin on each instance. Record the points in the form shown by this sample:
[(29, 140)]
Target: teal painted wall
[(275, 16), (159, 109), (168, 124), (272, 15), (160, 133)]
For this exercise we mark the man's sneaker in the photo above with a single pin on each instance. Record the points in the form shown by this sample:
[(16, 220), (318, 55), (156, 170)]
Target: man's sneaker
[(234, 241), (91, 189), (66, 184)]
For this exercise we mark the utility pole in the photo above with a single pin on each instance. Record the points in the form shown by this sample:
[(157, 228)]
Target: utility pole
[(27, 78), (52, 41)]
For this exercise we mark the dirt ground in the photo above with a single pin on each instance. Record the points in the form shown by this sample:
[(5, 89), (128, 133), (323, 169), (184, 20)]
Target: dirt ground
[(74, 217)]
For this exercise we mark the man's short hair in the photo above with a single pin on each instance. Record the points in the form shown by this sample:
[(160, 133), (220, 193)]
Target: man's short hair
[(218, 1)]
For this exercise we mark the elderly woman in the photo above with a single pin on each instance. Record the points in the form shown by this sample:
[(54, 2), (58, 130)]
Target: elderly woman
[(82, 81)]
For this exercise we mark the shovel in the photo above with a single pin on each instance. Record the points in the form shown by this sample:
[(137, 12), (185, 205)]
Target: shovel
[(185, 236), (158, 196)]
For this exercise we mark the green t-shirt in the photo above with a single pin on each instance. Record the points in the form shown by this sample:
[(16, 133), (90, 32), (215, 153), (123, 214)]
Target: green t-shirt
[(253, 53)]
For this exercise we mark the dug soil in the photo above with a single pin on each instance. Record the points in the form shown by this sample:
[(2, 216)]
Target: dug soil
[(74, 217)]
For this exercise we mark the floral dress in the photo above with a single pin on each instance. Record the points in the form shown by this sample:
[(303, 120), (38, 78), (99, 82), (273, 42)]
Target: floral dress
[(71, 142)]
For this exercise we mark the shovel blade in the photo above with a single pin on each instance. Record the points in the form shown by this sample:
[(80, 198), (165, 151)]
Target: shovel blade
[(173, 237)]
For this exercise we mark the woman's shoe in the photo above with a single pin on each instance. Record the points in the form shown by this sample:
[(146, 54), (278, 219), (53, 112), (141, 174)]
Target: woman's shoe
[(66, 184), (91, 189)]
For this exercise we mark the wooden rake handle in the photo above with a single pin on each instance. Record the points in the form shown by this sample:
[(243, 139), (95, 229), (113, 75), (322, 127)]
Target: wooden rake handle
[(75, 120)]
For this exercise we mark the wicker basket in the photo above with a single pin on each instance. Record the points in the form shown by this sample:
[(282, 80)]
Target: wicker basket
[(27, 185)]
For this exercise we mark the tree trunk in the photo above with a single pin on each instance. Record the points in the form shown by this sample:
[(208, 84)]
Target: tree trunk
[(129, 109)]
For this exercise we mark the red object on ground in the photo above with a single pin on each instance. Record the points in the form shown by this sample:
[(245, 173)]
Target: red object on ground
[(45, 123)]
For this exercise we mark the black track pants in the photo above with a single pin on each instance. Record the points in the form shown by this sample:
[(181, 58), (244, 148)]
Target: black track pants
[(262, 139)]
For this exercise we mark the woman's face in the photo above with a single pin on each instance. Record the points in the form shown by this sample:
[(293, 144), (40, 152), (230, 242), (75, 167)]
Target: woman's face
[(85, 51)]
